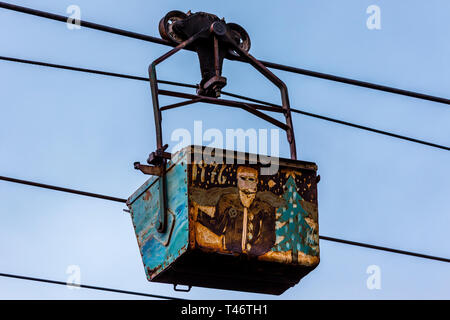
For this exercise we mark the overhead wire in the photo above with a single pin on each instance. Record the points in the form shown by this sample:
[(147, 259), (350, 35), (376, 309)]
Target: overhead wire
[(375, 247), (84, 286), (186, 85), (62, 189), (353, 243), (305, 72)]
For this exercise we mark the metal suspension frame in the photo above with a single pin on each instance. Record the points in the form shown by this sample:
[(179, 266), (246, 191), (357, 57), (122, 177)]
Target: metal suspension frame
[(158, 159)]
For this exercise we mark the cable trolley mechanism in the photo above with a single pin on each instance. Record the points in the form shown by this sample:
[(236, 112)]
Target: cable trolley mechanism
[(211, 222)]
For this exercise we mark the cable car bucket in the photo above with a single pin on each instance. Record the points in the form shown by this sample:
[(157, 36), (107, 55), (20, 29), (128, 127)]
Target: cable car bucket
[(222, 225)]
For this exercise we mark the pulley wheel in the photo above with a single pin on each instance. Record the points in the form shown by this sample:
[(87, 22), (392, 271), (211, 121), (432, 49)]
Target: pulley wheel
[(166, 26), (240, 36)]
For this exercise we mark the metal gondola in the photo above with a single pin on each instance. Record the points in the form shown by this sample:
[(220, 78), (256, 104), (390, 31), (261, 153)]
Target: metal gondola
[(223, 224)]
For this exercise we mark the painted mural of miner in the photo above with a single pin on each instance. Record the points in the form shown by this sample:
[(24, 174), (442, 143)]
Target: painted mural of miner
[(242, 215)]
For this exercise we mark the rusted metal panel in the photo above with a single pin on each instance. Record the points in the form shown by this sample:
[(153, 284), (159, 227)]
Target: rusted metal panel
[(159, 250)]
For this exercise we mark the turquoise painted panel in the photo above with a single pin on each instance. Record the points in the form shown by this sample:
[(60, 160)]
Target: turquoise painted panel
[(295, 233), (159, 250)]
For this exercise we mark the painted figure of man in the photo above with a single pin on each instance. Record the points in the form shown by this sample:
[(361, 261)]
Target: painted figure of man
[(244, 216)]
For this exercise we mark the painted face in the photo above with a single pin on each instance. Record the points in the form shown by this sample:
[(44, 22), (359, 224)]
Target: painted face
[(247, 180)]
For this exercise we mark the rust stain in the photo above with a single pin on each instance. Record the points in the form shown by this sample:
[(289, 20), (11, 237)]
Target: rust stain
[(147, 195), (192, 230), (286, 257), (151, 272), (307, 260), (278, 256)]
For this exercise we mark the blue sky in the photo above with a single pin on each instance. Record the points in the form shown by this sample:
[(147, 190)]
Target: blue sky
[(85, 131)]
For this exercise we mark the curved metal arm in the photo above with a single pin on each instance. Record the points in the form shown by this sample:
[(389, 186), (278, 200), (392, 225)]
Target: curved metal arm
[(161, 159), (280, 84), (154, 82)]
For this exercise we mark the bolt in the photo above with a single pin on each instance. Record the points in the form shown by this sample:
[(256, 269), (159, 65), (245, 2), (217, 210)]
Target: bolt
[(219, 28)]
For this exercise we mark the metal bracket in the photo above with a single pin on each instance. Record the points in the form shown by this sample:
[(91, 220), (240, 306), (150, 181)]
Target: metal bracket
[(158, 160), (213, 39), (151, 170), (171, 226), (181, 290)]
